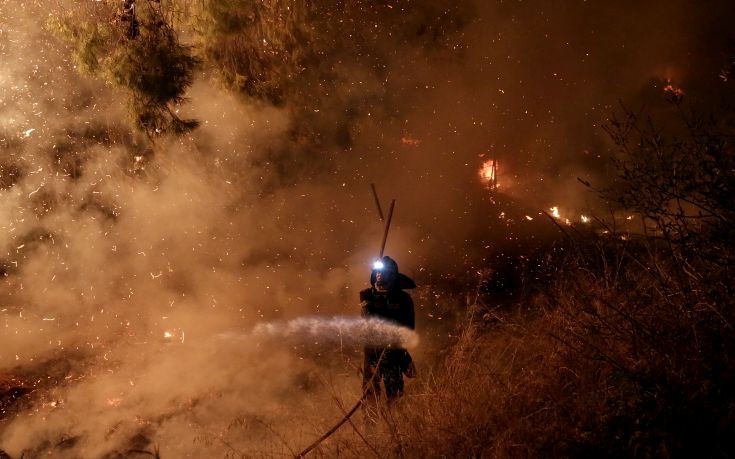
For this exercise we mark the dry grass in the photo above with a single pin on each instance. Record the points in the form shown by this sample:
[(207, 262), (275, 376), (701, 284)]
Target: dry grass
[(603, 367)]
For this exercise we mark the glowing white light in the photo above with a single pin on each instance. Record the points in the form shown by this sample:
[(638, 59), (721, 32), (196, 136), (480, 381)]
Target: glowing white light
[(378, 265), (585, 219), (167, 334)]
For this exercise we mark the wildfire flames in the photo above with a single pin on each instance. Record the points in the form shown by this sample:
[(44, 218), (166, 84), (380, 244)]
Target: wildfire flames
[(676, 94), (555, 213), (489, 173)]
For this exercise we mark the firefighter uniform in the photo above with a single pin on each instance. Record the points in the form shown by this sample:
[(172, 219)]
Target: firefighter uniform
[(394, 305)]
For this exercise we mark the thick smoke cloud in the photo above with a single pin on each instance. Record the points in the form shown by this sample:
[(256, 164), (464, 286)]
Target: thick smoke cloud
[(128, 263)]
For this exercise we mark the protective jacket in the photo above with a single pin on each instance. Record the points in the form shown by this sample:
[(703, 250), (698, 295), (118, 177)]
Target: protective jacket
[(396, 306)]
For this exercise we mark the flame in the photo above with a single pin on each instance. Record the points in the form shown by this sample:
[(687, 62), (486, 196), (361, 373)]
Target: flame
[(676, 94), (555, 213), (671, 89), (489, 172)]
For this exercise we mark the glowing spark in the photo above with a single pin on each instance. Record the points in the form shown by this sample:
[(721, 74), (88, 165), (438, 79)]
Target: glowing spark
[(35, 191), (555, 212), (52, 404), (529, 218), (629, 217), (167, 334), (584, 218), (410, 141)]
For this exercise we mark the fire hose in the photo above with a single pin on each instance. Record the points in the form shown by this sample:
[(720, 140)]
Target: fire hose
[(365, 391), (347, 415)]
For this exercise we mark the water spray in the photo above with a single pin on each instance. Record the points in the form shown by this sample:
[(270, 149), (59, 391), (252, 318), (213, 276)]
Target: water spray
[(364, 331)]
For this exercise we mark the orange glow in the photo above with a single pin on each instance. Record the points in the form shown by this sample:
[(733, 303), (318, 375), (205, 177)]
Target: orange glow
[(675, 93), (489, 173), (410, 141)]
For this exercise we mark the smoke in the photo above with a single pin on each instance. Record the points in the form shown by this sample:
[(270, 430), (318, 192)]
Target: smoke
[(166, 395), (128, 263), (122, 265), (339, 330)]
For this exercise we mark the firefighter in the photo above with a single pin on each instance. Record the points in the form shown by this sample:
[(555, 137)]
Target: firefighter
[(386, 299)]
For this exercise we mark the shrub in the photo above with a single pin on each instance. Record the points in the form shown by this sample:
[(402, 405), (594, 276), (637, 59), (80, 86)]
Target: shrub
[(141, 55)]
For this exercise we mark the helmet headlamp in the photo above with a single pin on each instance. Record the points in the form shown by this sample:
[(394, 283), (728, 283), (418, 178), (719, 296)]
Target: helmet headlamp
[(378, 265)]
